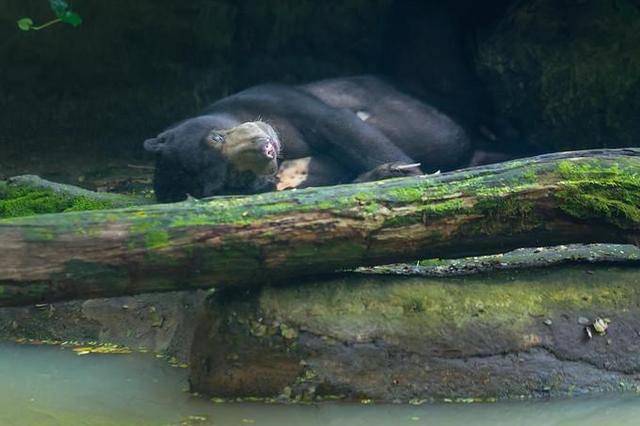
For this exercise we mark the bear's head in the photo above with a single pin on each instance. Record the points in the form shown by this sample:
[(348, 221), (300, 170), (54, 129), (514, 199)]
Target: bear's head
[(204, 156)]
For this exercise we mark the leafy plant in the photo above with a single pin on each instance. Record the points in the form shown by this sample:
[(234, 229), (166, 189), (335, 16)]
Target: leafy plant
[(63, 13)]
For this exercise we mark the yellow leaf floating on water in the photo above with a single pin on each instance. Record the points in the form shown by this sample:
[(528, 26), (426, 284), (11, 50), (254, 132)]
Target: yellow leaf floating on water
[(106, 349), (197, 418), (82, 348)]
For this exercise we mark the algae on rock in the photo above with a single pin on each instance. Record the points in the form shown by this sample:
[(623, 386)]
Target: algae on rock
[(507, 335)]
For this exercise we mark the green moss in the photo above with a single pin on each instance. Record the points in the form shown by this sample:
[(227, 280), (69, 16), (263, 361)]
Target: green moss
[(156, 239), (279, 207), (400, 221), (611, 193), (229, 216), (529, 176), (17, 201), (367, 308), (325, 205), (436, 199), (239, 212), (445, 208), (502, 215), (407, 195), (363, 196), (372, 208), (413, 305), (190, 220), (84, 203)]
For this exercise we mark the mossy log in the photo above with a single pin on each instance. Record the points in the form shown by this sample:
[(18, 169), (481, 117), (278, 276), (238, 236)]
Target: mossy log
[(587, 196)]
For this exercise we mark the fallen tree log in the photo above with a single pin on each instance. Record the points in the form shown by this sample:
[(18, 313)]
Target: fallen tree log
[(587, 196)]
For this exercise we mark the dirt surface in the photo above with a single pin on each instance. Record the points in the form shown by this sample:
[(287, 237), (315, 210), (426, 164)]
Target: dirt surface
[(161, 323)]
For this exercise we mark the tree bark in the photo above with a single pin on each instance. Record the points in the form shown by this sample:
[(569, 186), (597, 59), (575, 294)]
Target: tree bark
[(587, 196)]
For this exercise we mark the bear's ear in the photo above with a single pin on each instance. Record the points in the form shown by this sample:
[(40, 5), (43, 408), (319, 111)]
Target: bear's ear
[(154, 145)]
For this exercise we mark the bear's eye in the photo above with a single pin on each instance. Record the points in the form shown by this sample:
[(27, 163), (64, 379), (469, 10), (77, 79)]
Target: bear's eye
[(215, 138)]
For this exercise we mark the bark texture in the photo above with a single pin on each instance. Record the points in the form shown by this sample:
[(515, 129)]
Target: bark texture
[(588, 196)]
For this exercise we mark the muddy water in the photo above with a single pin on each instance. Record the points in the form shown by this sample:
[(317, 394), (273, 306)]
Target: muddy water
[(45, 386)]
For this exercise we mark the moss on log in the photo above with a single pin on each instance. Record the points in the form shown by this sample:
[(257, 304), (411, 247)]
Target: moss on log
[(588, 196)]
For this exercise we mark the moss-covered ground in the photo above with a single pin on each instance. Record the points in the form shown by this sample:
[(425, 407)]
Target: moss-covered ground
[(17, 200)]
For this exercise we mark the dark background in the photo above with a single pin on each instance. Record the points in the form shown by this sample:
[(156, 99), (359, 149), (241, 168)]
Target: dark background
[(548, 74)]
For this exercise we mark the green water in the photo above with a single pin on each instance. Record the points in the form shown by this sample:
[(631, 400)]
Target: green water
[(46, 386)]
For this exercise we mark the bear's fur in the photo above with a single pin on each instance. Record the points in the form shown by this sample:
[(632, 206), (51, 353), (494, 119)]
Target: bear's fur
[(346, 129)]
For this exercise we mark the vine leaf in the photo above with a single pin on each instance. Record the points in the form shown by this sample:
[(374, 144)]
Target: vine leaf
[(59, 7), (25, 24), (63, 13), (71, 18)]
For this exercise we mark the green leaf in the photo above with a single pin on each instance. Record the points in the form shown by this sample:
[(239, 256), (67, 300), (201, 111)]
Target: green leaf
[(59, 7), (25, 24), (71, 18)]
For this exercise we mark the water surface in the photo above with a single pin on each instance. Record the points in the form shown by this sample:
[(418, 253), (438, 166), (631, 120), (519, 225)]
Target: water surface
[(45, 386)]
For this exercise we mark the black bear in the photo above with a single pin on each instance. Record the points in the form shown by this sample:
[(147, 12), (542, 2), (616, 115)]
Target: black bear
[(275, 136)]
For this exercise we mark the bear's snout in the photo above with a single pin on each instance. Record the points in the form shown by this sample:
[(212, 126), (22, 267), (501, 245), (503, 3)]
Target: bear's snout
[(270, 149)]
